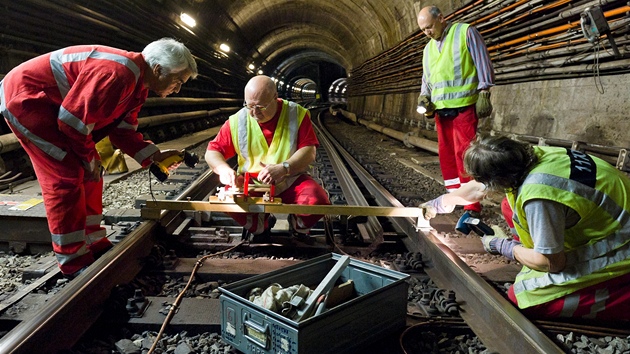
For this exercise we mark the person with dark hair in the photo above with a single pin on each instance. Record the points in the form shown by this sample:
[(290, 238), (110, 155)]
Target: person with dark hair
[(456, 78), (275, 139), (60, 104), (571, 211)]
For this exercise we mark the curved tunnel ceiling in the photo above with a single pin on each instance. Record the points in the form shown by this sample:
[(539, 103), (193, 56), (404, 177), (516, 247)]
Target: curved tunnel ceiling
[(343, 32), (278, 36)]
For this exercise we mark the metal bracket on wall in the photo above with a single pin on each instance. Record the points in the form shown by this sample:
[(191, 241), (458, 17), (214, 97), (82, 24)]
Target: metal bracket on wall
[(623, 160)]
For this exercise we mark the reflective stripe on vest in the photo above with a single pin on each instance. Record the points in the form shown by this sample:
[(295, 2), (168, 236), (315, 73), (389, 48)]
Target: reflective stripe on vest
[(58, 59), (598, 246), (247, 137), (452, 77)]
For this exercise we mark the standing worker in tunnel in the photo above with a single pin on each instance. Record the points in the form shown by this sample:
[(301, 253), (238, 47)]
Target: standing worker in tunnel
[(572, 215), (274, 138), (457, 75), (60, 104)]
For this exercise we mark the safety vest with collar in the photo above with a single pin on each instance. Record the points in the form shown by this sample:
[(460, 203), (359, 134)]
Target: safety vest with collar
[(250, 143), (452, 75), (597, 248)]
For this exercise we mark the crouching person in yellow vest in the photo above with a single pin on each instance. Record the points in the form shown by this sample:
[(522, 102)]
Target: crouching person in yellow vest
[(571, 212), (113, 159), (274, 138)]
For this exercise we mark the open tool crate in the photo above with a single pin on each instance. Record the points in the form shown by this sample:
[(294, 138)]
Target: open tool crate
[(379, 307)]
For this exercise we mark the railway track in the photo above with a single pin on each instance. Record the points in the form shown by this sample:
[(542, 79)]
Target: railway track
[(169, 248)]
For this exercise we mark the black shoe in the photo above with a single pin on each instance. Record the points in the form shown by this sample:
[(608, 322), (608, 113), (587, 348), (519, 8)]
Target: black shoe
[(304, 238), (75, 274), (264, 237), (100, 253), (271, 221)]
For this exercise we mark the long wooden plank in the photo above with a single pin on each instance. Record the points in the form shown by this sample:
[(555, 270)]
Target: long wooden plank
[(279, 208)]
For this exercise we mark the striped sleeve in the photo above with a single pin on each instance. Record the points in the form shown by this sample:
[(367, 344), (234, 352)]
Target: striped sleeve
[(481, 58)]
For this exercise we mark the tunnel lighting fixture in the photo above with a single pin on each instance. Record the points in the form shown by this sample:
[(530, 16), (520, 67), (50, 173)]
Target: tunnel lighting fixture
[(251, 67), (224, 48), (189, 21)]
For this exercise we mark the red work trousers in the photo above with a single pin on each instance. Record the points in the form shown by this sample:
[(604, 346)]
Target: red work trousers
[(73, 207), (305, 191), (609, 300), (454, 136)]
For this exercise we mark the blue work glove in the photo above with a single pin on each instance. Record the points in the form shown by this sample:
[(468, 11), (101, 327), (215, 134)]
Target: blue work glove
[(499, 243)]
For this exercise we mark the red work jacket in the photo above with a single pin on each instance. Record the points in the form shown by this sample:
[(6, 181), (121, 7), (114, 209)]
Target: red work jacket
[(61, 100)]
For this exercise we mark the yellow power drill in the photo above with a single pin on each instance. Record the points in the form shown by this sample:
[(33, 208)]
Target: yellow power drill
[(160, 168)]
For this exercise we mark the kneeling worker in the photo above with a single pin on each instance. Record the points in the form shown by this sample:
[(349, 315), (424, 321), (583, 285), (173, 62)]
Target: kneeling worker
[(274, 138), (572, 214)]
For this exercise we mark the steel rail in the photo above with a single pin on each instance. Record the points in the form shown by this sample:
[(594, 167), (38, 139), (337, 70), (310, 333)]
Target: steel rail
[(487, 313), (71, 312), (351, 191)]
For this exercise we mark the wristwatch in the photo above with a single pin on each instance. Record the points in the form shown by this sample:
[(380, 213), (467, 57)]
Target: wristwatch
[(286, 167)]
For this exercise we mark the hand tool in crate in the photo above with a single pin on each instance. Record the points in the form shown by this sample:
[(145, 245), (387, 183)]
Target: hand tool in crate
[(301, 309)]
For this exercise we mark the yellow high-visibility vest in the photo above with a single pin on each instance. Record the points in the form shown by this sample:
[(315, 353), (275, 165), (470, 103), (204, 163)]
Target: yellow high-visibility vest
[(452, 76), (598, 246)]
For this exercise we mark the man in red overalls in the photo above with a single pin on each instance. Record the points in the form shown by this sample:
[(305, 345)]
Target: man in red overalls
[(60, 104)]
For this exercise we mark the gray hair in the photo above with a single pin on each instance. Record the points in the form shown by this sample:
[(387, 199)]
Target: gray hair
[(434, 11), (171, 55)]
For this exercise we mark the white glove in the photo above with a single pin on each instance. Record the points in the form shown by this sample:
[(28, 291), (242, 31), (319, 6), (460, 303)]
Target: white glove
[(433, 207)]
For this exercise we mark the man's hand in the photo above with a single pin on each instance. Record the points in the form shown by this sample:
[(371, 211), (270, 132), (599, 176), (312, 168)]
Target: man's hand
[(93, 173), (272, 173), (227, 176), (435, 206), (163, 155), (483, 106), (425, 101), (499, 243)]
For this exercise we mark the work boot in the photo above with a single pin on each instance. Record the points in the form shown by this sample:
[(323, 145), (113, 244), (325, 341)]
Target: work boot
[(301, 235), (265, 236), (98, 254), (75, 274), (271, 221)]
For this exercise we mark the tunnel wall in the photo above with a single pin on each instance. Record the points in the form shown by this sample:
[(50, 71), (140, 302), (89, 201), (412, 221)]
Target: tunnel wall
[(572, 109)]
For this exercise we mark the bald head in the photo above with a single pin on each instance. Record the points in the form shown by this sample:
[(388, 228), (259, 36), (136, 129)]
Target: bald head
[(431, 22), (261, 84), (261, 92)]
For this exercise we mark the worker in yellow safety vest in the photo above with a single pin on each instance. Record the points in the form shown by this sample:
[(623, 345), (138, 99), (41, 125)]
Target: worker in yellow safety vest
[(571, 212)]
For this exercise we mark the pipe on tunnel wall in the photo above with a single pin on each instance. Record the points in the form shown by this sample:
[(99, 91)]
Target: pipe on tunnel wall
[(9, 142)]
